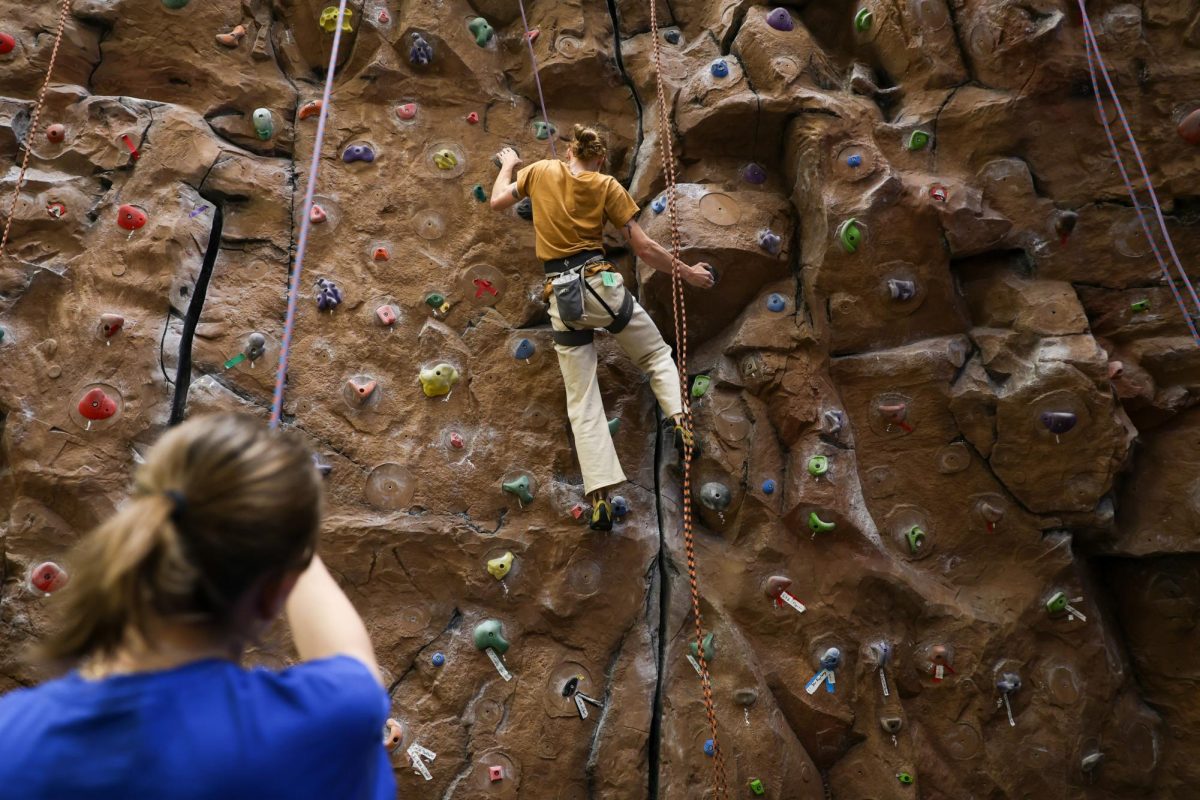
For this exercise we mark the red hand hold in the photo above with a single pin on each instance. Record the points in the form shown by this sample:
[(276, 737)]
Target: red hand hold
[(406, 111), (317, 215), (456, 441), (386, 314), (482, 286), (133, 151), (111, 324), (48, 577), (131, 217), (381, 254), (56, 133), (96, 406), (310, 109), (473, 118), (56, 210), (362, 389), (7, 43)]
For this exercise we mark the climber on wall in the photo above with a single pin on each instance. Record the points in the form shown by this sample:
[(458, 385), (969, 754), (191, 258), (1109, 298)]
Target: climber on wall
[(164, 598), (571, 203)]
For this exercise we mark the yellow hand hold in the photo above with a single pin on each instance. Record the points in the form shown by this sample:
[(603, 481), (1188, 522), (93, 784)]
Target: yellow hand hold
[(499, 567), (445, 159), (438, 380), (328, 20)]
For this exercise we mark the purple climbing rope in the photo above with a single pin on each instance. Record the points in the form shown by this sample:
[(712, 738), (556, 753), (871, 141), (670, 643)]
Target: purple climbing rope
[(305, 225), (537, 78), (1094, 57)]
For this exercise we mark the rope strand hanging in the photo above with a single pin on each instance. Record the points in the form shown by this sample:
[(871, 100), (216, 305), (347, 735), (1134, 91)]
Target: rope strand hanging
[(537, 77), (305, 225), (679, 308), (64, 10), (1096, 59)]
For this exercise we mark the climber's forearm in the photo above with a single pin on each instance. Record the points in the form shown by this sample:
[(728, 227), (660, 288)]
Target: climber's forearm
[(504, 190), (657, 257)]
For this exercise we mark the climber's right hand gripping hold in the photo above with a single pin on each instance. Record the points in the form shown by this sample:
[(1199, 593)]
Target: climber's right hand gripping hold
[(504, 190), (699, 275)]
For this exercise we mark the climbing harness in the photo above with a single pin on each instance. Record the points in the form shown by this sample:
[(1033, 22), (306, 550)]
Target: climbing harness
[(537, 78), (305, 224), (63, 10), (680, 313), (1095, 59)]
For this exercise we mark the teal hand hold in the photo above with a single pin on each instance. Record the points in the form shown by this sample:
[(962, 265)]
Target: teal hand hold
[(710, 649), (264, 123), (490, 633), (478, 193), (543, 130), (481, 30), (175, 4), (614, 425), (520, 487), (818, 525)]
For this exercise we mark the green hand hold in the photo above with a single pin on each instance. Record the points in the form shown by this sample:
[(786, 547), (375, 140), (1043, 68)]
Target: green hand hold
[(264, 123), (700, 385), (818, 466), (819, 525), (1057, 603), (916, 538), (1, 334), (435, 300), (175, 4), (520, 487), (904, 778), (490, 633), (478, 192), (710, 649), (850, 234), (917, 140), (863, 20), (482, 31), (1139, 306), (614, 425), (757, 787)]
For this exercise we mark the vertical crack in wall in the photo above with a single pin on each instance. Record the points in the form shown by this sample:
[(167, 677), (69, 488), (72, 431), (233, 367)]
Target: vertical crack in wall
[(183, 371), (659, 580)]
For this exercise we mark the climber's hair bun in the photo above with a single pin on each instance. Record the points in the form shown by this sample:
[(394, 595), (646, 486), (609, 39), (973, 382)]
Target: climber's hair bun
[(587, 144)]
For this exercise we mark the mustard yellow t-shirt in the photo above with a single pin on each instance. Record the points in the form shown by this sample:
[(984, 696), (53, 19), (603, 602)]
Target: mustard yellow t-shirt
[(569, 211)]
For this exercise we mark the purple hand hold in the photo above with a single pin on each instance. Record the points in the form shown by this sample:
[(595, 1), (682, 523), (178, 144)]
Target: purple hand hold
[(359, 152), (329, 296), (780, 20), (1058, 422)]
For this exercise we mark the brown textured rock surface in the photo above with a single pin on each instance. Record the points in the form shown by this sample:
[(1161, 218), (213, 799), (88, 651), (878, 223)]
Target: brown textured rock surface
[(995, 281)]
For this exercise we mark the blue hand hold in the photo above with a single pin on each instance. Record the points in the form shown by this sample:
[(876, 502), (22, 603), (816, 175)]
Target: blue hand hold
[(854, 161), (421, 52), (620, 507), (768, 486), (719, 69), (672, 37), (439, 659), (660, 204), (754, 173), (780, 20), (524, 350), (358, 152), (831, 659), (709, 747), (776, 302), (770, 241)]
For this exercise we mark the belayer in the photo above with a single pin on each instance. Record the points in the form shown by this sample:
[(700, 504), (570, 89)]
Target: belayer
[(572, 201)]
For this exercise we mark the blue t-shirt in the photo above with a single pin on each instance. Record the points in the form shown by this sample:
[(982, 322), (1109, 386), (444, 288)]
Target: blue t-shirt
[(209, 729)]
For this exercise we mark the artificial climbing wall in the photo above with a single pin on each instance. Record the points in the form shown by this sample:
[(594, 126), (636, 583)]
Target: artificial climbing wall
[(944, 396)]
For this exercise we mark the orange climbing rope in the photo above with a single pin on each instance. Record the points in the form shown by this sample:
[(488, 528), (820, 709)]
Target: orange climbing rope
[(680, 311), (63, 11)]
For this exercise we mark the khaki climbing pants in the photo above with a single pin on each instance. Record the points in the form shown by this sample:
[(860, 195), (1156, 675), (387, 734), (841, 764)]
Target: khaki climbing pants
[(641, 341)]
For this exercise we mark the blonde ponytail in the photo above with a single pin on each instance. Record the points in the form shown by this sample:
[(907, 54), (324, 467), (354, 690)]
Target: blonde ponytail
[(587, 144), (219, 503)]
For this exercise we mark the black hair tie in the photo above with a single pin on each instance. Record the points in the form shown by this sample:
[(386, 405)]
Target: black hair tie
[(178, 503)]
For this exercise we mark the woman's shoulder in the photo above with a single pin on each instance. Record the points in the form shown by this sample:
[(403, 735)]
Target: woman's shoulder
[(339, 689)]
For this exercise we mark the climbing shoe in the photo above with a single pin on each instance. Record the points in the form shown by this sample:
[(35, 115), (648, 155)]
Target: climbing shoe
[(683, 437), (602, 515)]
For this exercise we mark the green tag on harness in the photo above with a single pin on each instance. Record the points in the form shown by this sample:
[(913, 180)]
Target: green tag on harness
[(608, 278)]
